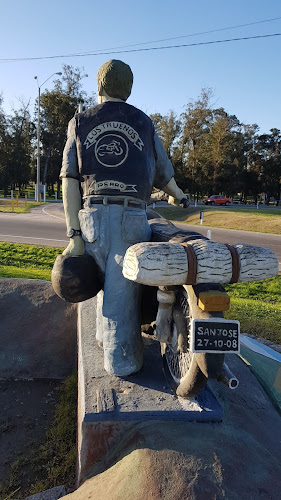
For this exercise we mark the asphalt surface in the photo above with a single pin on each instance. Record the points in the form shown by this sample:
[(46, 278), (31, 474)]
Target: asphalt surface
[(45, 226)]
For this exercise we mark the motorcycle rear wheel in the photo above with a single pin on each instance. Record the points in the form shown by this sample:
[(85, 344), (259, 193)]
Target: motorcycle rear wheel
[(180, 364)]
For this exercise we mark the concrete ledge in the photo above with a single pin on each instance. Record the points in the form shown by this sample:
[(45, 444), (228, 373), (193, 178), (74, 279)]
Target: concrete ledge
[(38, 331), (109, 407), (51, 494), (265, 363)]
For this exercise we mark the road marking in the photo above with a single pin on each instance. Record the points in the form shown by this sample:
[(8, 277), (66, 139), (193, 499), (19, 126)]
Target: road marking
[(31, 238), (50, 215)]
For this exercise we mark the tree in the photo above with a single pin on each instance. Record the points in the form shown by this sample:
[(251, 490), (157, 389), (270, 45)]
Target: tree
[(16, 132), (268, 159), (4, 174), (58, 107), (21, 133), (192, 152), (226, 152), (249, 180), (168, 128)]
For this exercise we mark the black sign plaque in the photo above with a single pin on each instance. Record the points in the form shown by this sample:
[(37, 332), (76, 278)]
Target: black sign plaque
[(216, 335)]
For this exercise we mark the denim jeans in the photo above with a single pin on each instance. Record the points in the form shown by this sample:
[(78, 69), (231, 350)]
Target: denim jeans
[(108, 231)]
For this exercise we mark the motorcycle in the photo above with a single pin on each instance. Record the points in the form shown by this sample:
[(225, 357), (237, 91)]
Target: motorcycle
[(188, 319)]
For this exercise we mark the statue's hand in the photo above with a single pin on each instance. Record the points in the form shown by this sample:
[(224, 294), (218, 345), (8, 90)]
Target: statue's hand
[(183, 202), (75, 247), (173, 201)]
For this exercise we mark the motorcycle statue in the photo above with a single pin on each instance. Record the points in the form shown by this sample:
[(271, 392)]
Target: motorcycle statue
[(184, 300), (182, 274)]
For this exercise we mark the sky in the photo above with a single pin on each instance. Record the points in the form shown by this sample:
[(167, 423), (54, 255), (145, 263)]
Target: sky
[(244, 75)]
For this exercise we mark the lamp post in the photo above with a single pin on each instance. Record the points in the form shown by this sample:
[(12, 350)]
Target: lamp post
[(38, 134)]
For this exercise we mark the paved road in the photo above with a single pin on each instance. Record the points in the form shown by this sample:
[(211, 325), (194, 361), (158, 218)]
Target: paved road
[(43, 226), (46, 226)]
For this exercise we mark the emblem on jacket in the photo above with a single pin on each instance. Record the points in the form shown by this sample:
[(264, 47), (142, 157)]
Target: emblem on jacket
[(111, 149)]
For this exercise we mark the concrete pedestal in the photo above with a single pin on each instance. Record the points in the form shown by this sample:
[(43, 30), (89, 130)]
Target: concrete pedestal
[(111, 409), (37, 332)]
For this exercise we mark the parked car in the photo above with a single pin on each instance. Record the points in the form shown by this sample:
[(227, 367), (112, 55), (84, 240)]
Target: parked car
[(217, 199)]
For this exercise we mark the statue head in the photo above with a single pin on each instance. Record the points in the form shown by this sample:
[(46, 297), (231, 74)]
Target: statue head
[(115, 78)]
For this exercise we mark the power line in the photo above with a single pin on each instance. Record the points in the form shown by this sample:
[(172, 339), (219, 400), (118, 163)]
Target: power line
[(87, 54), (191, 34)]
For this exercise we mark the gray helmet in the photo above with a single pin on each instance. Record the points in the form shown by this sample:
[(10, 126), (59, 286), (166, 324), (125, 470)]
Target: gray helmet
[(76, 279)]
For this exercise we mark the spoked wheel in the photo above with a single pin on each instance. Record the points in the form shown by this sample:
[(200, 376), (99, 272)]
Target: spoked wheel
[(184, 374)]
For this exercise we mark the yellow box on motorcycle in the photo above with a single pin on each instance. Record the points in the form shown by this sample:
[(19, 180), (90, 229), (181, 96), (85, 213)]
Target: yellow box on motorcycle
[(213, 300)]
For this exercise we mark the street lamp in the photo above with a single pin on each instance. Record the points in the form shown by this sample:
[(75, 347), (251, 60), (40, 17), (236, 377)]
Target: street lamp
[(38, 134)]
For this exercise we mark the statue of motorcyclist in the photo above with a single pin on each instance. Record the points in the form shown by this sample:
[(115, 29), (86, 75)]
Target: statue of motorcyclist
[(113, 157)]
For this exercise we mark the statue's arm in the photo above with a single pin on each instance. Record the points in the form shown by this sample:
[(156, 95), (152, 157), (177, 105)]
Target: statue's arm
[(164, 178), (72, 204), (176, 195), (71, 191)]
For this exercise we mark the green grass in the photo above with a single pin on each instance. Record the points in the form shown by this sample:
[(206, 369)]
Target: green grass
[(27, 261), (247, 219), (266, 290), (27, 273), (23, 207), (257, 306)]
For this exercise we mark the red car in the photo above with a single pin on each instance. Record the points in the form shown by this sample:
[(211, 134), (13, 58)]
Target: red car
[(217, 199)]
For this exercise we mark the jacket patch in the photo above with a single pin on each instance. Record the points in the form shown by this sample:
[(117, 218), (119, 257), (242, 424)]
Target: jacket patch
[(113, 126), (95, 187)]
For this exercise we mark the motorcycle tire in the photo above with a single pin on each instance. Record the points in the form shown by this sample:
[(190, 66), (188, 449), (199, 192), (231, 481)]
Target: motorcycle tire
[(187, 372)]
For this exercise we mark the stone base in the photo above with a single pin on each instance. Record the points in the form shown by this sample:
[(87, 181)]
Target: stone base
[(109, 407), (51, 494), (38, 331)]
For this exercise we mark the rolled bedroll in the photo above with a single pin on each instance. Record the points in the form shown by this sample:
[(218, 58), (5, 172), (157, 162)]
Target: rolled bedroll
[(197, 261)]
